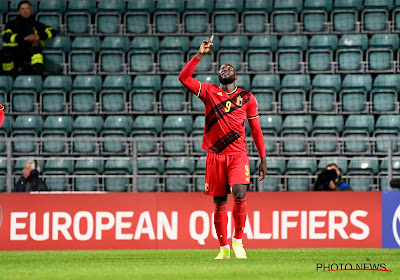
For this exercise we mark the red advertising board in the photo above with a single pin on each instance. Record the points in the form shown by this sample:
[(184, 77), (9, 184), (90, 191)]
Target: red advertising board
[(73, 221)]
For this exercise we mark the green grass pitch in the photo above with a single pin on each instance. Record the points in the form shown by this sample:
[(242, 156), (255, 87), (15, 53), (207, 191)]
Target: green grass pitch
[(194, 264)]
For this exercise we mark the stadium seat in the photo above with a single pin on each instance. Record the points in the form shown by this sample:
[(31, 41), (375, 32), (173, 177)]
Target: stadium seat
[(255, 16), (116, 126), (26, 127), (7, 125), (85, 168), (147, 146), (176, 127), (167, 16), (320, 53), (108, 17), (54, 95), (323, 93), (354, 93), (141, 54), (5, 88), (28, 123), (388, 123), (59, 170), (178, 123), (381, 53), (284, 16), (112, 55), (195, 17), (24, 94), (328, 126), (148, 123), (54, 54), (137, 17), (86, 127), (197, 132), (356, 142), (292, 97), (143, 101), (289, 56), (345, 16), (51, 12), (384, 94), (364, 165), (121, 167), (349, 56), (296, 127), (259, 55), (83, 95), (299, 171), (78, 17), (360, 123), (58, 123), (225, 18), (113, 94), (82, 55), (315, 16), (171, 54), (375, 15), (174, 168), (148, 82), (207, 64)]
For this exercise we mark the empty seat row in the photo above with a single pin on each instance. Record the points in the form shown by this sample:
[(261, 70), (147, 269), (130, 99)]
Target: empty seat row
[(171, 16), (263, 54)]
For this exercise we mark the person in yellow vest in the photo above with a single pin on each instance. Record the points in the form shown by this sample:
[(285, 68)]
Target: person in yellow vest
[(23, 43)]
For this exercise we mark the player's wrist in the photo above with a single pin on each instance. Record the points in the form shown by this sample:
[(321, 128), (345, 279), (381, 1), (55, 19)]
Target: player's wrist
[(200, 55)]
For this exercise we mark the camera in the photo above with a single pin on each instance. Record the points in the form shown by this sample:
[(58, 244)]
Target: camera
[(324, 178)]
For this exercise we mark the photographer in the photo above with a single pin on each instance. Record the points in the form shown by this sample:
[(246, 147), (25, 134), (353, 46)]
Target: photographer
[(30, 181), (330, 179)]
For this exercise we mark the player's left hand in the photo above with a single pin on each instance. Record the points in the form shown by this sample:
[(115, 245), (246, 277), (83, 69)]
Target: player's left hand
[(262, 169)]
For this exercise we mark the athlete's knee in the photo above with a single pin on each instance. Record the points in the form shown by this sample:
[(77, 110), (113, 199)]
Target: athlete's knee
[(220, 200), (239, 191)]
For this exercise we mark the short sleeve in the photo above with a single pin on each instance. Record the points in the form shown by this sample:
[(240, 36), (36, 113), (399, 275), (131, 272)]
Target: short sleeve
[(252, 108)]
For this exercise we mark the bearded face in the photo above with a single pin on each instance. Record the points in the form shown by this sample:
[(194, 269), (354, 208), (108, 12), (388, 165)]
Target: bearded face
[(227, 74)]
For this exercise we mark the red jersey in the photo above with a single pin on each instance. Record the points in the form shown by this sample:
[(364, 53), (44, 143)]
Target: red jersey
[(225, 118)]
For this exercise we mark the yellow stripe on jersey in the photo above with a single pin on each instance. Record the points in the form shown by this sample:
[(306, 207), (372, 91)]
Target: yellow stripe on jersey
[(198, 93), (232, 91), (250, 118)]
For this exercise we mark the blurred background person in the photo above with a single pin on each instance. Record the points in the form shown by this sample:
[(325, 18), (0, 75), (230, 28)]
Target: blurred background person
[(30, 181), (330, 179)]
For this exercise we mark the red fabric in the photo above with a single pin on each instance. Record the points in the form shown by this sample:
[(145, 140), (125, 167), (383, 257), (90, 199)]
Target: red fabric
[(239, 213), (1, 114), (221, 223), (223, 171), (258, 136), (185, 77)]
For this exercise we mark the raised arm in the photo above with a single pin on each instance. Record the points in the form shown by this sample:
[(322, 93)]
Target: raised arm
[(258, 138), (185, 77)]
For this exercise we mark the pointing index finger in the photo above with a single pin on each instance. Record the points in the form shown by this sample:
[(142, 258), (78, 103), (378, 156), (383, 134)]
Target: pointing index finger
[(212, 37)]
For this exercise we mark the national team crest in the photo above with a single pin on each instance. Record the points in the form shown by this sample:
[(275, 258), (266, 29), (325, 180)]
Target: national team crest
[(239, 101)]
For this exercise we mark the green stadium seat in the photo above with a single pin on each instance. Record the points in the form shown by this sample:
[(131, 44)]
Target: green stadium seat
[(315, 16), (255, 16), (298, 123), (345, 16), (289, 56), (320, 53), (375, 15), (167, 16), (296, 126), (28, 123), (302, 165), (174, 168), (113, 94), (78, 17), (382, 142), (83, 54), (50, 13), (143, 43), (323, 93), (58, 123), (329, 122), (86, 127), (259, 55), (284, 16), (108, 17), (85, 168), (354, 93), (206, 65), (360, 123), (149, 82), (7, 125), (83, 95), (122, 124), (143, 101), (292, 97), (359, 145), (384, 94), (225, 18), (117, 167), (381, 53), (54, 54), (148, 123), (148, 145), (388, 123), (58, 169), (197, 132), (195, 17), (172, 101), (178, 123), (141, 55), (349, 56), (231, 51), (59, 166), (5, 88), (364, 165), (112, 55), (24, 94), (54, 95), (171, 54), (148, 165), (328, 126), (88, 123), (137, 18)]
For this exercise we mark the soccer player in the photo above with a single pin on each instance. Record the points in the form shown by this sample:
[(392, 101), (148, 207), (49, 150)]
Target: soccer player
[(227, 166)]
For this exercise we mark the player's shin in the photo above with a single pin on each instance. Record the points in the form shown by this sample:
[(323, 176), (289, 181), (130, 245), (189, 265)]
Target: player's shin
[(239, 213), (221, 222)]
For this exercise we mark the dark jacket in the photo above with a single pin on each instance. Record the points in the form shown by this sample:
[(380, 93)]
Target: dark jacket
[(31, 184), (16, 30)]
